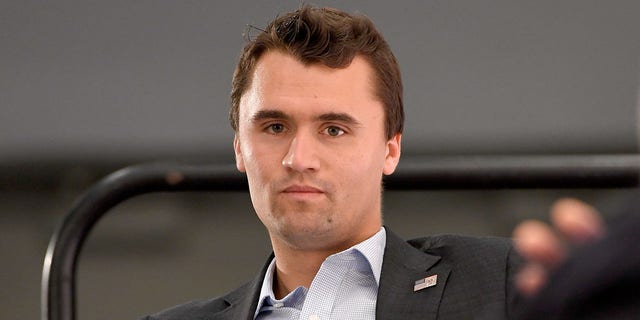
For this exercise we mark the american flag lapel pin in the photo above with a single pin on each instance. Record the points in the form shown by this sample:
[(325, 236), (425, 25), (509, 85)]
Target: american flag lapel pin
[(427, 282)]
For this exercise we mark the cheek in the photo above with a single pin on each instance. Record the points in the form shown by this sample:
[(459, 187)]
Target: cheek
[(258, 176), (362, 170), (370, 158), (260, 162)]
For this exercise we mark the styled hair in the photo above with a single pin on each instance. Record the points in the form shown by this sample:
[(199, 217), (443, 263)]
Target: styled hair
[(332, 38)]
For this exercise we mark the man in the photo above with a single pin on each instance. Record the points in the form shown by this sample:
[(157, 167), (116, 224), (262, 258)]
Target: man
[(316, 106)]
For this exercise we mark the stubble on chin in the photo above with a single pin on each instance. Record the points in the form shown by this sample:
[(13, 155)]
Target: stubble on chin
[(302, 226)]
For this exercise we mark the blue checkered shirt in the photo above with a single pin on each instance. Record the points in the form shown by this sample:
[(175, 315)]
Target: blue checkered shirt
[(345, 287)]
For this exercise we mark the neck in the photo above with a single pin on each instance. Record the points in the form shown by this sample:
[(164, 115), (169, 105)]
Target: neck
[(298, 267)]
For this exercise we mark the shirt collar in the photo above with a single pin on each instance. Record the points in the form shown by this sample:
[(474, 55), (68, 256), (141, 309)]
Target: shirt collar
[(372, 249), (267, 286)]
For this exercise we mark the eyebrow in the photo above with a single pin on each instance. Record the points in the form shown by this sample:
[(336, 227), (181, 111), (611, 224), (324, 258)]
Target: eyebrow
[(340, 117), (269, 114)]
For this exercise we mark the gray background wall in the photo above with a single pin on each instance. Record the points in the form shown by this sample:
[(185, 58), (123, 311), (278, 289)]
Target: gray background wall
[(90, 86)]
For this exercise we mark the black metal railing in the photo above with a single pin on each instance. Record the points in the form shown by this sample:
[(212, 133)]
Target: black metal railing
[(429, 173)]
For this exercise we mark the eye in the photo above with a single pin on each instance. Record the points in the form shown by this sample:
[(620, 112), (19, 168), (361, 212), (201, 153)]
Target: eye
[(276, 128), (333, 131)]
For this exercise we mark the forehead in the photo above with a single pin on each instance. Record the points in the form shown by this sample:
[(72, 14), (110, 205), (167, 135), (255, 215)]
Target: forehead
[(281, 81)]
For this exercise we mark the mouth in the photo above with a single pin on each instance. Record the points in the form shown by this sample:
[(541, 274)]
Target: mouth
[(302, 192), (301, 189)]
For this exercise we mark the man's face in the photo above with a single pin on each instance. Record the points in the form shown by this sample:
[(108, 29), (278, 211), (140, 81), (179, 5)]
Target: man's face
[(311, 140)]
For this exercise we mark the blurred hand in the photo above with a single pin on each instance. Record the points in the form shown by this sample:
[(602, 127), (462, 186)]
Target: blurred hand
[(544, 246)]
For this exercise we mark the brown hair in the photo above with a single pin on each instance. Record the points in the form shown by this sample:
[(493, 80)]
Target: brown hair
[(332, 38)]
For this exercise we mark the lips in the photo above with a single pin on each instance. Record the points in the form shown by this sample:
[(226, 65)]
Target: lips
[(302, 189)]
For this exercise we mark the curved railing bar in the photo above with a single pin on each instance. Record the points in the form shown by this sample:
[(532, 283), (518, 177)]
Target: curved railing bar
[(464, 172), (58, 299)]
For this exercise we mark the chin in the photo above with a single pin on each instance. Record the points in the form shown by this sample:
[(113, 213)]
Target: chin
[(312, 236)]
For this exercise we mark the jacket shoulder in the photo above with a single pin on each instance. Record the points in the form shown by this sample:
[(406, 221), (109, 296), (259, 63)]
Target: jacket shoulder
[(464, 247), (197, 309), (201, 309)]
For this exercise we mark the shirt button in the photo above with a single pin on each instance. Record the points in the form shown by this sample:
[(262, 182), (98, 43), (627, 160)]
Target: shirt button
[(278, 305), (314, 317)]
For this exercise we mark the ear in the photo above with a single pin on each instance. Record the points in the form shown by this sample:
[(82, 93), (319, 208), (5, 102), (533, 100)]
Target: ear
[(238, 152), (392, 156)]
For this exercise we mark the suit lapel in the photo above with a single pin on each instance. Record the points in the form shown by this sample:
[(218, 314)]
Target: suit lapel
[(401, 267)]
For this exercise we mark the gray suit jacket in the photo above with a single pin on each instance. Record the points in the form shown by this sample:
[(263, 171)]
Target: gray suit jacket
[(474, 281)]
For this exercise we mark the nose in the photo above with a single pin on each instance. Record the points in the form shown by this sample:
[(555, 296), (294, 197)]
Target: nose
[(302, 155)]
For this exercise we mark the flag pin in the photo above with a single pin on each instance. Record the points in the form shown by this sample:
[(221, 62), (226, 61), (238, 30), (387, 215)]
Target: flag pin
[(427, 282)]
